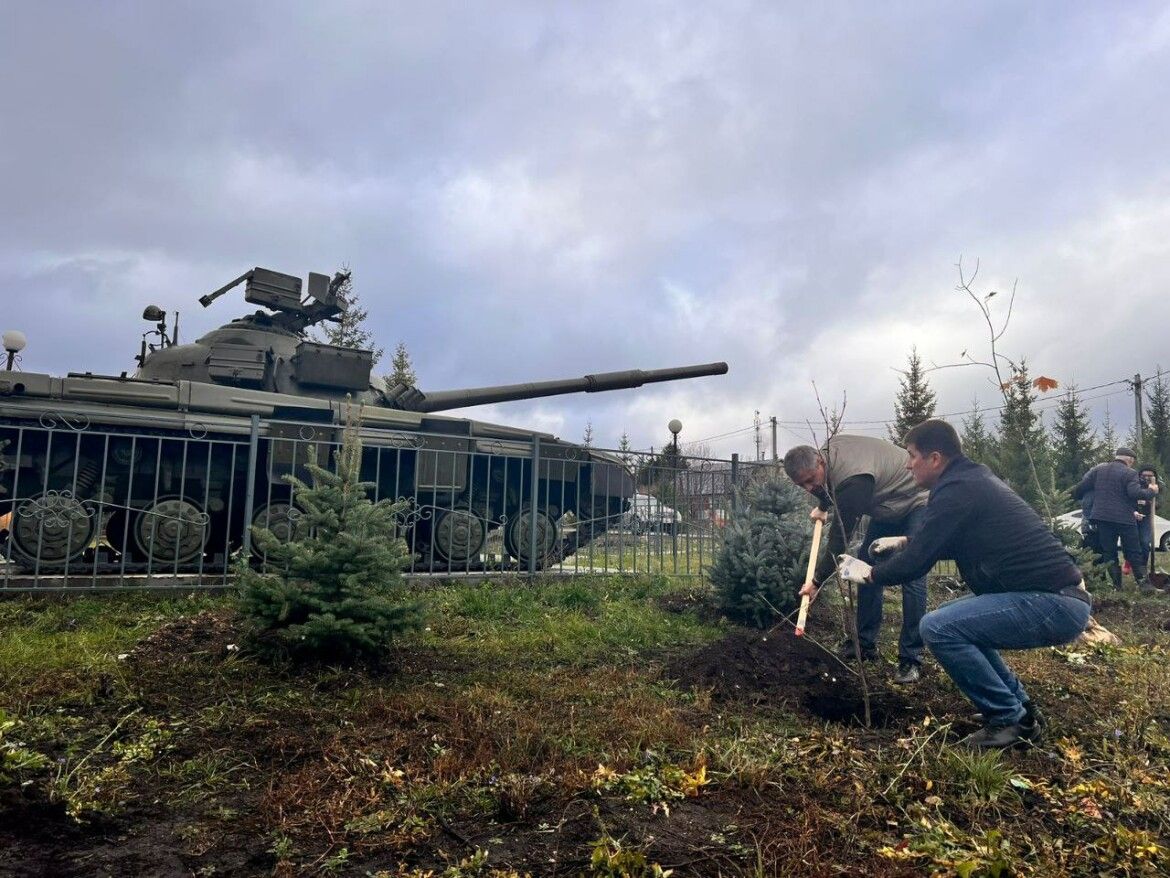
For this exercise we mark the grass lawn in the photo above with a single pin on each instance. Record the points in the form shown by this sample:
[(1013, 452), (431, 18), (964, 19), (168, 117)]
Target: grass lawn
[(604, 726)]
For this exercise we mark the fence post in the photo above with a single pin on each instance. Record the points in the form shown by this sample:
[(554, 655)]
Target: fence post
[(675, 525), (534, 496), (734, 482), (250, 488)]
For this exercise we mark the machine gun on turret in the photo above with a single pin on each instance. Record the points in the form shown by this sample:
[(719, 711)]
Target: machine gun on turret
[(282, 293)]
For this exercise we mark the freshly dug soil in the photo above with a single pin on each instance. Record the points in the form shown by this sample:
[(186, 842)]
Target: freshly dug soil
[(778, 667)]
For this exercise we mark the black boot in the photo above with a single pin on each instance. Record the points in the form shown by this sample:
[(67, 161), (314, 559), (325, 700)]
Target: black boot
[(847, 654), (1147, 588)]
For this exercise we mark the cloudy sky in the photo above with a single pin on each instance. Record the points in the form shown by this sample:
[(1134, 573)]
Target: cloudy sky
[(537, 190)]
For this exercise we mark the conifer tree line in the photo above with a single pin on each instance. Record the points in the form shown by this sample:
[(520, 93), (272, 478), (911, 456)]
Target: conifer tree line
[(1063, 449), (349, 331)]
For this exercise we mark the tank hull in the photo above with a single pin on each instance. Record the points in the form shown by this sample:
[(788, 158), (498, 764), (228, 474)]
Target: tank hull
[(120, 475)]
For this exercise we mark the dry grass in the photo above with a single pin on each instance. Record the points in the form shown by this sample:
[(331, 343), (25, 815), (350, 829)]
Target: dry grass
[(530, 730)]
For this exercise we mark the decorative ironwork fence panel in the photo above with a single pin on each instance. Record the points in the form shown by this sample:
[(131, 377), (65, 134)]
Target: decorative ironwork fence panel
[(84, 506)]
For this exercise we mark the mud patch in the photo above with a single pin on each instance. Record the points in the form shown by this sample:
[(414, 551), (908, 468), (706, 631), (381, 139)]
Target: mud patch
[(211, 634), (780, 668)]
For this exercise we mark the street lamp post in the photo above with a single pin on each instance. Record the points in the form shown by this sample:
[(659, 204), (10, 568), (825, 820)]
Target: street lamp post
[(14, 342)]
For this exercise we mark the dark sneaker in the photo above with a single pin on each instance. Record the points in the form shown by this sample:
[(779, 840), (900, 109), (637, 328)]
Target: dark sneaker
[(1000, 737), (1032, 716), (908, 673), (846, 653)]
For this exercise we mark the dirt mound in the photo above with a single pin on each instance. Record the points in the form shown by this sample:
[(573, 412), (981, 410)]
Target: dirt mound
[(210, 634), (778, 667)]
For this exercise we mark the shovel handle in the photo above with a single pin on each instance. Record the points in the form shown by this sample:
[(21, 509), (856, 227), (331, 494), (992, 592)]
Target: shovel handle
[(1153, 529), (802, 616)]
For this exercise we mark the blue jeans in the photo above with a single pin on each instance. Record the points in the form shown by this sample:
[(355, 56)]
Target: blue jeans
[(964, 635), (869, 597)]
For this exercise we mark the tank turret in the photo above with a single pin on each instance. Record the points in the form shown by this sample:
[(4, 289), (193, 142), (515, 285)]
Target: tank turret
[(266, 351), (270, 352)]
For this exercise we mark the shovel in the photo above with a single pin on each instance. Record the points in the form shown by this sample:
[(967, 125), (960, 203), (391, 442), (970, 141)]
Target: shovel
[(1157, 579), (802, 616)]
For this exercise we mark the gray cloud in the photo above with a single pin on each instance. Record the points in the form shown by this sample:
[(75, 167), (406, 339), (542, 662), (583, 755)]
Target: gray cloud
[(526, 190)]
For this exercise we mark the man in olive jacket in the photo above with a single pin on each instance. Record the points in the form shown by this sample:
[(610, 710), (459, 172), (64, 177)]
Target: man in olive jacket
[(863, 476)]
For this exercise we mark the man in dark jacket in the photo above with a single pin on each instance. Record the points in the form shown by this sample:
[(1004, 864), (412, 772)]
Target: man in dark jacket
[(1116, 489), (865, 477), (1027, 591), (1147, 476)]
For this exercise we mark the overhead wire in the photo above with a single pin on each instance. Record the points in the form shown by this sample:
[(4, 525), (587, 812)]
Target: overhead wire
[(867, 425)]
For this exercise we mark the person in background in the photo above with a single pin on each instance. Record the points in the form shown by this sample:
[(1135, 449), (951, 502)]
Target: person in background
[(1147, 476), (1116, 489), (1088, 529)]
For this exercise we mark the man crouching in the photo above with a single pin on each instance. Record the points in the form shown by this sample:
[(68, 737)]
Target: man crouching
[(1027, 591)]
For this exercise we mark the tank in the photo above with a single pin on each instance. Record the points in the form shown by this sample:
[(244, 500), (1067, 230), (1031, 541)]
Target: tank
[(164, 470)]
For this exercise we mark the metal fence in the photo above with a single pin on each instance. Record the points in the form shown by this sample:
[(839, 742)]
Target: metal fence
[(86, 506)]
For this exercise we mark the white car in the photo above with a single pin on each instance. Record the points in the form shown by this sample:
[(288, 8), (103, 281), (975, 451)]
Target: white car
[(1161, 527), (647, 513)]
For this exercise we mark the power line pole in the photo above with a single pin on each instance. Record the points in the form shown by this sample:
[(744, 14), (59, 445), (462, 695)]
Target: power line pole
[(1138, 426), (774, 458), (759, 445)]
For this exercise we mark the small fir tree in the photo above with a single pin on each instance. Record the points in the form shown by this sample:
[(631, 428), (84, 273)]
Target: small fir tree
[(349, 330), (625, 449), (402, 368), (587, 436), (1108, 442), (761, 566), (1155, 449), (1074, 444), (334, 593), (660, 474), (1022, 443), (1132, 441), (915, 400), (978, 442)]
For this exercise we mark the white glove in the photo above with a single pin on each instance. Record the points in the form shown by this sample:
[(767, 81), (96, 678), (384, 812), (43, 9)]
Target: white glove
[(884, 545), (818, 514), (853, 569)]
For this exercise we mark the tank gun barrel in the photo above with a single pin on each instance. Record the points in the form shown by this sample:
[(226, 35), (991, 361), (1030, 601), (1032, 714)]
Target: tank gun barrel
[(451, 399)]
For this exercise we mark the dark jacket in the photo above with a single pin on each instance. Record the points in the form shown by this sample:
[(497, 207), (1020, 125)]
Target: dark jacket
[(1146, 507), (1115, 489), (997, 540)]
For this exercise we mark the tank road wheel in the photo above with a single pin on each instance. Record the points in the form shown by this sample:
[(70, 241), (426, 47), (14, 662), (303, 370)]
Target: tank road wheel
[(285, 520), (458, 535), (172, 530), (518, 537), (54, 528)]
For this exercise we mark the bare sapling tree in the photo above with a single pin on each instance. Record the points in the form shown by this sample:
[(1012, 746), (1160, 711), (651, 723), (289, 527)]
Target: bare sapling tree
[(831, 420), (1007, 371)]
